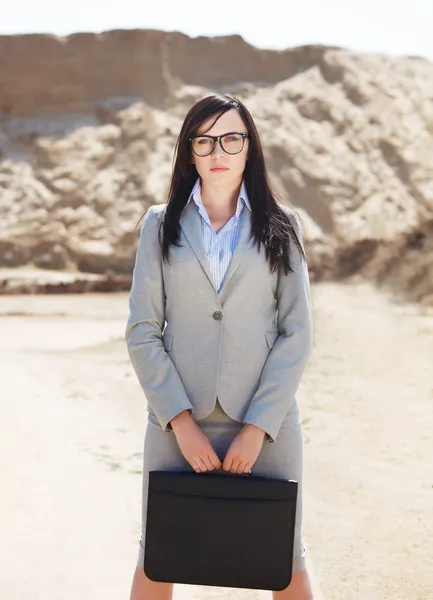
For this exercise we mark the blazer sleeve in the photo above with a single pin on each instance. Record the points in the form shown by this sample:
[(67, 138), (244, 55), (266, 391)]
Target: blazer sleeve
[(288, 357), (154, 368)]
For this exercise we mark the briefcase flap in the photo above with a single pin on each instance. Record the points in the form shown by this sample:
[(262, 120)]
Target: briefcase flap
[(220, 484)]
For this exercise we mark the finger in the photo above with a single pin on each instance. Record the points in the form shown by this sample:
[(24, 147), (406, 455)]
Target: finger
[(227, 464), (195, 466), (201, 464), (241, 467), (214, 459), (207, 461), (234, 468)]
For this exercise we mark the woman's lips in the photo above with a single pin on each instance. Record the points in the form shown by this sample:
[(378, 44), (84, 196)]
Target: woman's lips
[(219, 169)]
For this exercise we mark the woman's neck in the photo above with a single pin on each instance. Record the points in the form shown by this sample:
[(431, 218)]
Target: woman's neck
[(220, 200)]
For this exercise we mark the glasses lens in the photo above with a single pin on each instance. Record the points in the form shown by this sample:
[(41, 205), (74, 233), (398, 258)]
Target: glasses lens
[(202, 146), (232, 143)]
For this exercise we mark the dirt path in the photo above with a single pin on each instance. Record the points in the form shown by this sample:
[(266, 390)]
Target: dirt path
[(71, 437), (368, 413)]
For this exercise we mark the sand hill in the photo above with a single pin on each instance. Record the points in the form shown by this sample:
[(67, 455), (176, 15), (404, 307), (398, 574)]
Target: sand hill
[(88, 125)]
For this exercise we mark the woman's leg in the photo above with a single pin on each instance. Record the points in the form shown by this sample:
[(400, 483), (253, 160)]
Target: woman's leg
[(299, 588), (160, 452), (284, 459), (144, 588)]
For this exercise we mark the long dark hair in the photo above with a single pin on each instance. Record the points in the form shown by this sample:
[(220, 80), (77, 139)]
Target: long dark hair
[(271, 225)]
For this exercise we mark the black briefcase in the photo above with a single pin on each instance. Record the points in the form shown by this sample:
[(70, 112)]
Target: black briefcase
[(220, 529)]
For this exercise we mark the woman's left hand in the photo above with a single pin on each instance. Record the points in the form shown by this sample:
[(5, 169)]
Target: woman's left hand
[(244, 449)]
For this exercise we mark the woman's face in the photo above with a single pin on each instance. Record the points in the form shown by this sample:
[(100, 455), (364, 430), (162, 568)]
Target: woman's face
[(232, 165)]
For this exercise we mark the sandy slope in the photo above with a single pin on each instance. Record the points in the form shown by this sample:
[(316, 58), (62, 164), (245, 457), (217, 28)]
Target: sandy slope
[(71, 436)]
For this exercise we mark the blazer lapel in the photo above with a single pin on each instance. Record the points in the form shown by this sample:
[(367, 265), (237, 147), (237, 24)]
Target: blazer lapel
[(190, 222), (242, 247)]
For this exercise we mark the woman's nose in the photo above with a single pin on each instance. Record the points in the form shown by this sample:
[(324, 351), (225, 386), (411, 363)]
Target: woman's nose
[(217, 150)]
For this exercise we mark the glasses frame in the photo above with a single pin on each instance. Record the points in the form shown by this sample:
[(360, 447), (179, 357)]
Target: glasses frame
[(217, 138)]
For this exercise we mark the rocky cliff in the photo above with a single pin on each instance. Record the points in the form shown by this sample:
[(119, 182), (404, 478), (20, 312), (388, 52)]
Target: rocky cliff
[(88, 125)]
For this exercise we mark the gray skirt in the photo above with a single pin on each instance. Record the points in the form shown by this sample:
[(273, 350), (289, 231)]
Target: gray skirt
[(281, 459)]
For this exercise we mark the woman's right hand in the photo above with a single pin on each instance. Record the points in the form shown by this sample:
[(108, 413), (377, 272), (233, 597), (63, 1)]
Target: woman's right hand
[(194, 444)]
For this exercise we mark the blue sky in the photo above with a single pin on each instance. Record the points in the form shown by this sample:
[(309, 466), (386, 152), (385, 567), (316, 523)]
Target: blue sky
[(396, 27)]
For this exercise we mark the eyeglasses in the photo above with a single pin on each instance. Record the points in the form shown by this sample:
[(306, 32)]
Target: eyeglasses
[(231, 143)]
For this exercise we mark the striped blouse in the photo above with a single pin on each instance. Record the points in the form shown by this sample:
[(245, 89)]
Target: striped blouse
[(219, 246)]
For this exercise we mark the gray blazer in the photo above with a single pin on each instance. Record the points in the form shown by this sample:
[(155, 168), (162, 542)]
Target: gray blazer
[(247, 345)]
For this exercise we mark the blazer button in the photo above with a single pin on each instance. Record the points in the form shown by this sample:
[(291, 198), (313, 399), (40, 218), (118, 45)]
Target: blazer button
[(217, 315)]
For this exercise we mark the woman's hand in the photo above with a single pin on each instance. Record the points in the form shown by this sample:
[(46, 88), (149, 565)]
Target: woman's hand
[(244, 449), (194, 444)]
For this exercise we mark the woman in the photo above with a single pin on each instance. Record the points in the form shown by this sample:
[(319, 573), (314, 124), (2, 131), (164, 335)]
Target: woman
[(219, 330)]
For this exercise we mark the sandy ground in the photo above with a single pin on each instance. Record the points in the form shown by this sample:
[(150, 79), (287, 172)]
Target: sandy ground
[(71, 438)]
